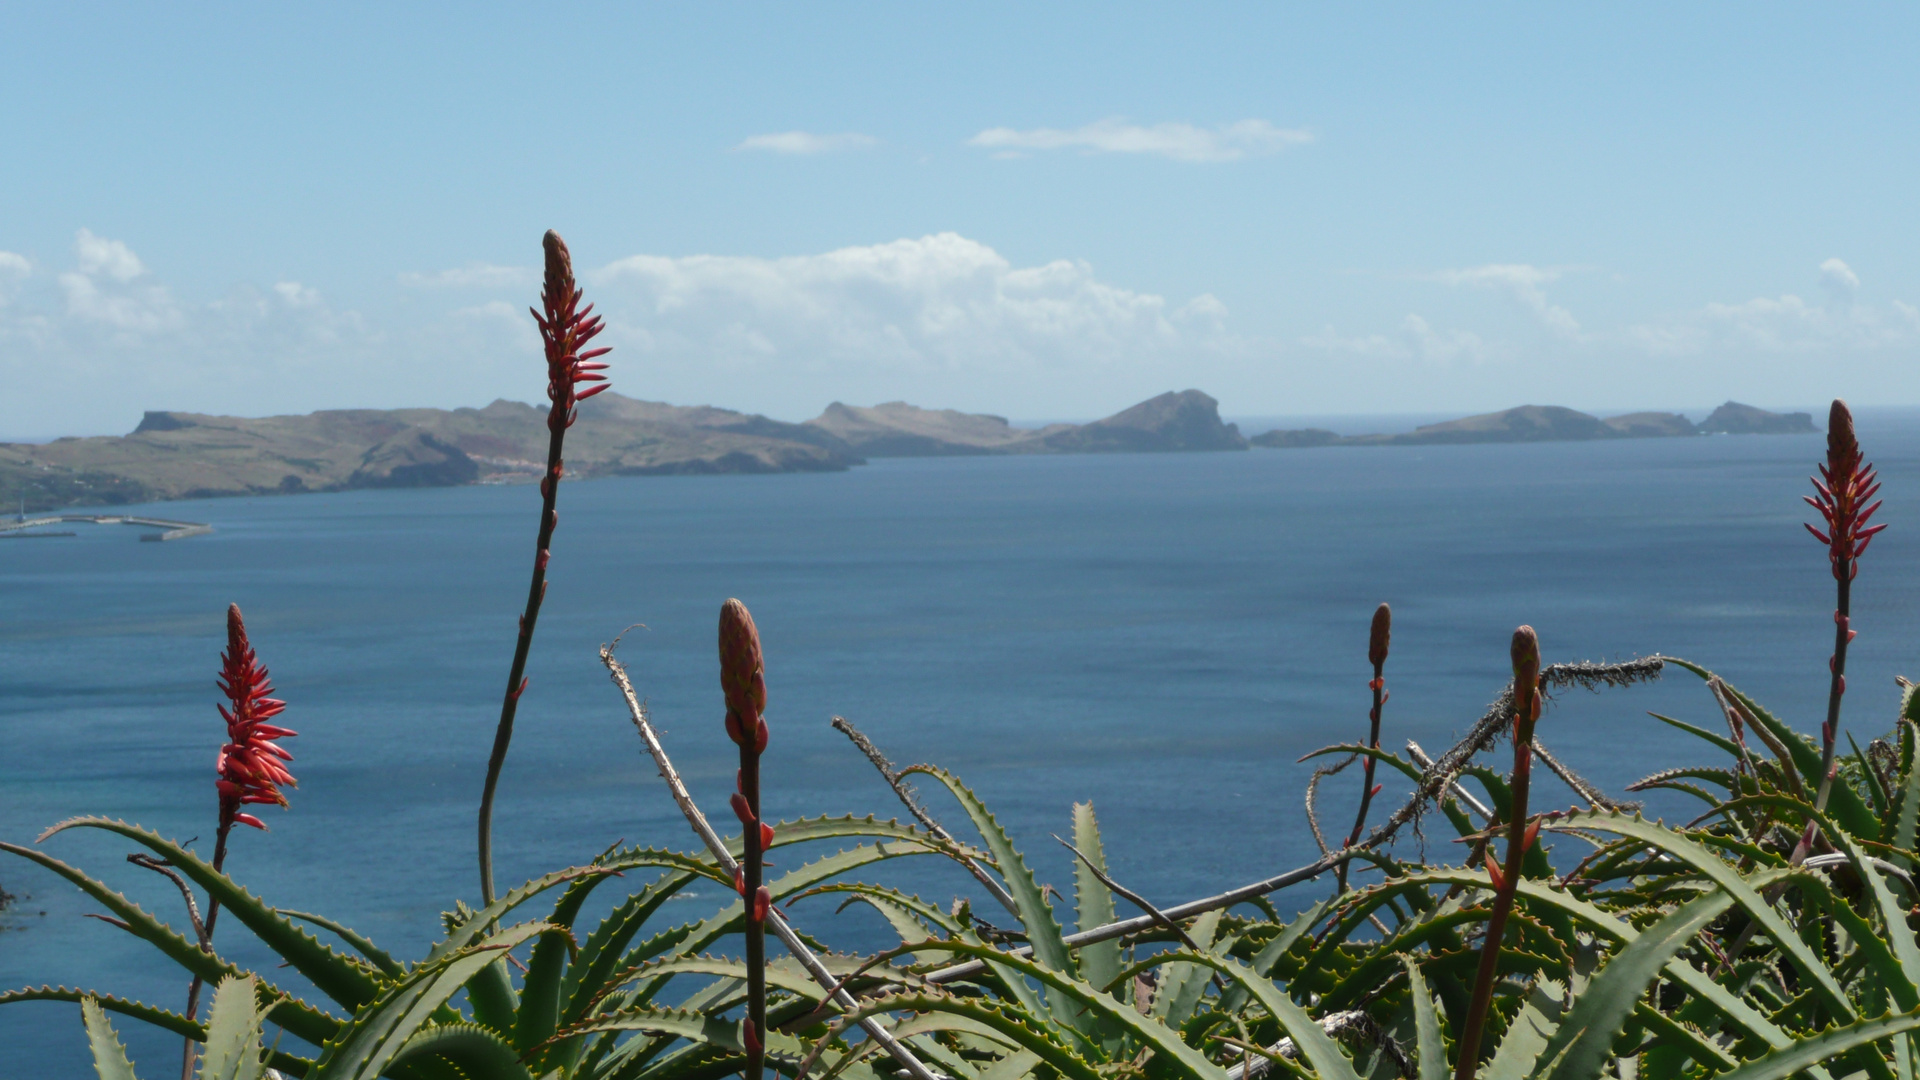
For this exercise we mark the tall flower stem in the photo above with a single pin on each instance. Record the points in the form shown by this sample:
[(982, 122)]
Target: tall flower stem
[(1520, 836), (564, 328), (743, 680), (1848, 485), (249, 771), (1377, 641)]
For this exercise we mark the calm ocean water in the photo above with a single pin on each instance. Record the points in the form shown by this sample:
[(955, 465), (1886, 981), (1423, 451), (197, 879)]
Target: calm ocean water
[(1162, 634)]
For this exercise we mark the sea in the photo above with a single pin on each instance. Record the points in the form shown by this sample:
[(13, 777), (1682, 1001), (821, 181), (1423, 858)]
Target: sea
[(1164, 635)]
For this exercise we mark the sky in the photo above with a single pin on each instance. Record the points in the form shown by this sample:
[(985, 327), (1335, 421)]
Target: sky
[(1037, 211)]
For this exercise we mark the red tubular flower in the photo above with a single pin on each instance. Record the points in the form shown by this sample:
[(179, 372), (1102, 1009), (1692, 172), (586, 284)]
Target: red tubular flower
[(1847, 486), (565, 328), (251, 766)]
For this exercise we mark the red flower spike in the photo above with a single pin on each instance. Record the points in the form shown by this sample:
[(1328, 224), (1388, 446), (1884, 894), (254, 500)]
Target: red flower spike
[(740, 808), (248, 769), (1841, 500), (766, 836), (739, 882), (1533, 833), (1494, 872), (751, 1038), (1375, 790), (762, 899)]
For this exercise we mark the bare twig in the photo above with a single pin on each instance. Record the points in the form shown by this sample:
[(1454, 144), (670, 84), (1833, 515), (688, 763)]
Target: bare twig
[(1420, 758), (776, 919), (1143, 904), (1581, 785), (161, 866), (1353, 1024), (911, 800)]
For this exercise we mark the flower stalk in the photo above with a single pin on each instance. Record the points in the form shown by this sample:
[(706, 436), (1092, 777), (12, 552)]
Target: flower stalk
[(565, 328), (1377, 641), (743, 681), (1843, 488), (1520, 836), (249, 770)]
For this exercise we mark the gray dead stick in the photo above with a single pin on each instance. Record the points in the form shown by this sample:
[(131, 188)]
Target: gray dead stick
[(775, 919)]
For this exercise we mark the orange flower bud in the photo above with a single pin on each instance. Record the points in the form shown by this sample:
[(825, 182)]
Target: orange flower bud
[(1526, 673), (742, 674), (1382, 631)]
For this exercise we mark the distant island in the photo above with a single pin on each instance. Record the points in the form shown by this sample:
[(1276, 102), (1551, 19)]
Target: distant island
[(1552, 423), (178, 455)]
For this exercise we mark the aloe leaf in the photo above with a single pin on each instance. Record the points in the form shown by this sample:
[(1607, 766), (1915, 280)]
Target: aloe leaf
[(1904, 981), (981, 1018), (343, 978), (1729, 878), (296, 1016), (1100, 960), (491, 994), (1321, 1052), (1528, 1034), (1842, 801), (1043, 930), (732, 917), (477, 1052), (710, 1031), (1584, 1043), (1906, 816), (1721, 741), (540, 988), (1682, 1041), (232, 1049), (1876, 789), (1696, 983), (1182, 985), (369, 1044), (379, 957), (1092, 1002), (1804, 1053), (600, 954), (109, 1056), (1430, 1050)]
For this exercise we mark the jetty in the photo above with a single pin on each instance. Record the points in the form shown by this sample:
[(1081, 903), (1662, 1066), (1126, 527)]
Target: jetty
[(169, 530)]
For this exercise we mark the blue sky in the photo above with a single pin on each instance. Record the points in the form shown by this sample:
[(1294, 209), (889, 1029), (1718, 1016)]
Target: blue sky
[(1038, 211)]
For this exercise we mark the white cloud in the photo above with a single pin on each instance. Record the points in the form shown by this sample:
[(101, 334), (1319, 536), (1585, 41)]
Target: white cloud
[(109, 258), (940, 302), (1521, 281), (806, 142), (1414, 339), (1788, 323), (14, 266), (1179, 141)]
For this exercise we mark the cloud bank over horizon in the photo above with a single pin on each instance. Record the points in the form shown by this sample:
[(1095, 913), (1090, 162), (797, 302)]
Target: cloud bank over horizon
[(940, 320)]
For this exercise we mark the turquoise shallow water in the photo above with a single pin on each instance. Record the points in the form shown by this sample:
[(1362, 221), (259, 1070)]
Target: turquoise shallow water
[(1162, 634)]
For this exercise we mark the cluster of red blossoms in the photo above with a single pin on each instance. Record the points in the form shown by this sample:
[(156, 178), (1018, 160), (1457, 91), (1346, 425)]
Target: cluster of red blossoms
[(565, 328), (250, 766), (1848, 485)]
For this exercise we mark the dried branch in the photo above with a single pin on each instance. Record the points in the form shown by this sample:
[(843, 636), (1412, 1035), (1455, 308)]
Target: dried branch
[(911, 799)]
